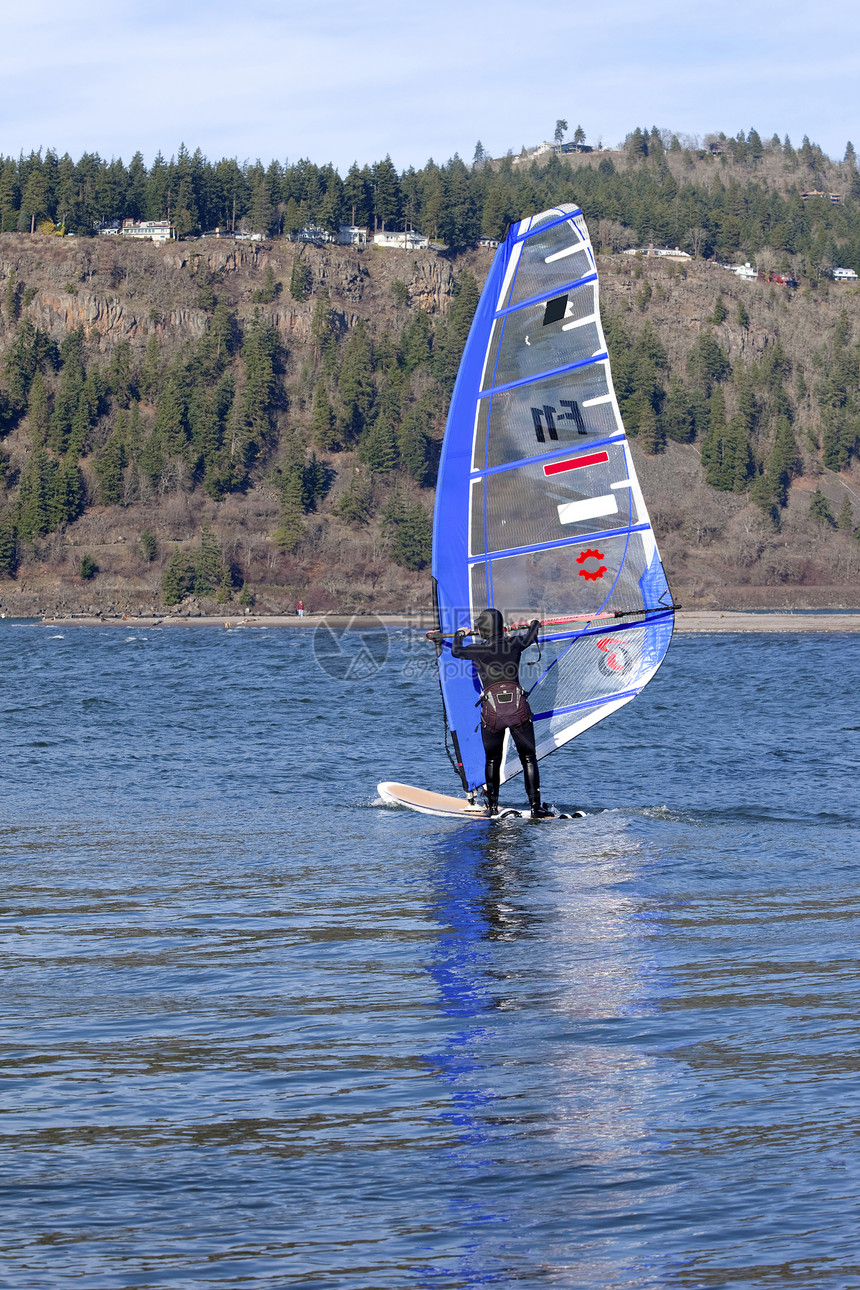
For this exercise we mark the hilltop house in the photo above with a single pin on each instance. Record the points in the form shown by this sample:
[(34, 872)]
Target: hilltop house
[(151, 230), (844, 275), (351, 235), (408, 240)]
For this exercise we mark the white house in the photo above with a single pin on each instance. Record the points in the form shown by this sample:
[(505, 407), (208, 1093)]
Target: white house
[(351, 235), (664, 252), (409, 240), (152, 230), (745, 271), (844, 275)]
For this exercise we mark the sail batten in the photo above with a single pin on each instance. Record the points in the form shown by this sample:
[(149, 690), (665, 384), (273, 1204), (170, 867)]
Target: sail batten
[(539, 512)]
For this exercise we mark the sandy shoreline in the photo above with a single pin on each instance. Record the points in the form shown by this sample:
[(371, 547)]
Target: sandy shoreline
[(693, 621)]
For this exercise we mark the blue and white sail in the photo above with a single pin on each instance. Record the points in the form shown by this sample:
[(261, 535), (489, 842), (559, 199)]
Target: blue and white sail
[(538, 509)]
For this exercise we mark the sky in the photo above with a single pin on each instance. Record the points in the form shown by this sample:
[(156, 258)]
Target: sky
[(358, 80)]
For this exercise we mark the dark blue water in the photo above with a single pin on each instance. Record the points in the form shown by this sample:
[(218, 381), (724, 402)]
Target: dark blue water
[(261, 1032)]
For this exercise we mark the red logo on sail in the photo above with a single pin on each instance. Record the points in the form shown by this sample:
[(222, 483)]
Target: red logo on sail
[(615, 660), (591, 575)]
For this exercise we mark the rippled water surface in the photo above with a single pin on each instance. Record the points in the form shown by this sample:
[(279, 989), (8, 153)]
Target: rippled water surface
[(260, 1031)]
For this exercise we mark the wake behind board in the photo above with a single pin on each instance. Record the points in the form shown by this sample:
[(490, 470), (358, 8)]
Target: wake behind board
[(429, 803)]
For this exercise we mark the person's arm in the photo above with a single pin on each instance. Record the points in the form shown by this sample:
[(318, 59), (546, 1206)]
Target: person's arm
[(459, 650), (531, 634)]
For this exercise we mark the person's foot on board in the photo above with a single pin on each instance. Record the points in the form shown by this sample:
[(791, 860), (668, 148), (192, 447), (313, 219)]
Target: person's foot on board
[(540, 811)]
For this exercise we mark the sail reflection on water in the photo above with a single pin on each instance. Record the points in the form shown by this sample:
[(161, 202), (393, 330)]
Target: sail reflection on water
[(544, 975)]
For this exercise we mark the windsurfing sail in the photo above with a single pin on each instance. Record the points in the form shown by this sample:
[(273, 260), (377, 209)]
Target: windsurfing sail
[(538, 509)]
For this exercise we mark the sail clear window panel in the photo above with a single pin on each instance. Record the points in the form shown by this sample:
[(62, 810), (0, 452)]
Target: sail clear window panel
[(589, 671), (522, 346), (582, 578), (525, 506), (568, 260), (544, 415)]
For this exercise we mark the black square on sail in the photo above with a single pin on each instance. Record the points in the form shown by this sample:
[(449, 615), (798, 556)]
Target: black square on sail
[(555, 310)]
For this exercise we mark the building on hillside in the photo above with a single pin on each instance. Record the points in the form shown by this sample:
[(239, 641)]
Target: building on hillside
[(351, 235), (844, 275), (242, 235), (489, 243), (313, 233), (835, 198), (111, 228), (220, 232), (660, 252), (745, 271), (408, 240), (151, 230), (575, 147)]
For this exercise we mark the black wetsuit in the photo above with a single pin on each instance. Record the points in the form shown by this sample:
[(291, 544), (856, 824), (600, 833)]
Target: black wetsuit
[(497, 658)]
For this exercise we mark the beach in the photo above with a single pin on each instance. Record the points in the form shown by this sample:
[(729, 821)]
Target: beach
[(693, 621)]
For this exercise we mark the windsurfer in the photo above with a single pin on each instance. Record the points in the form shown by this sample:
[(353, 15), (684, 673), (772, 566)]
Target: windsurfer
[(504, 705)]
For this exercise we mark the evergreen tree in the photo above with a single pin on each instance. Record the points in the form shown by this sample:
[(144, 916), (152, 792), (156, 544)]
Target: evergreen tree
[(356, 503), (783, 462), (719, 312), (845, 521), (148, 546), (38, 414), (35, 496), (68, 494), (300, 277), (208, 566), (8, 546), (677, 416), (178, 579), (410, 531), (820, 510), (109, 464), (120, 378), (355, 383), (456, 330), (379, 447), (150, 374), (323, 422)]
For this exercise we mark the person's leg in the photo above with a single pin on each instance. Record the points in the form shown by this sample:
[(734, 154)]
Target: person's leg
[(524, 738), (494, 742)]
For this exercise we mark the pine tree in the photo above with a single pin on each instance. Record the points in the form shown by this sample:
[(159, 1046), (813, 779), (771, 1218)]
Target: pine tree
[(120, 379), (356, 504), (743, 318), (323, 422), (677, 416), (355, 383), (820, 510), (67, 500), (178, 579), (209, 565), (38, 414), (150, 374), (300, 277), (456, 330), (410, 530), (8, 546), (719, 312), (109, 464), (148, 546), (845, 521), (35, 496), (378, 449)]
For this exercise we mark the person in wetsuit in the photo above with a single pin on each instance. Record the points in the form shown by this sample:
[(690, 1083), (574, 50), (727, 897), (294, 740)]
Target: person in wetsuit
[(497, 658)]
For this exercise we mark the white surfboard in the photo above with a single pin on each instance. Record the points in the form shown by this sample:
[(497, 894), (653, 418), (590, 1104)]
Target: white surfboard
[(429, 803)]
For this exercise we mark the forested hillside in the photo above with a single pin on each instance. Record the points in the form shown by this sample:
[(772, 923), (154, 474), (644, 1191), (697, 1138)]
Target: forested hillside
[(233, 423)]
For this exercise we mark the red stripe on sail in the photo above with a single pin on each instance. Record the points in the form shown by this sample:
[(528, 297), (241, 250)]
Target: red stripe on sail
[(575, 463)]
